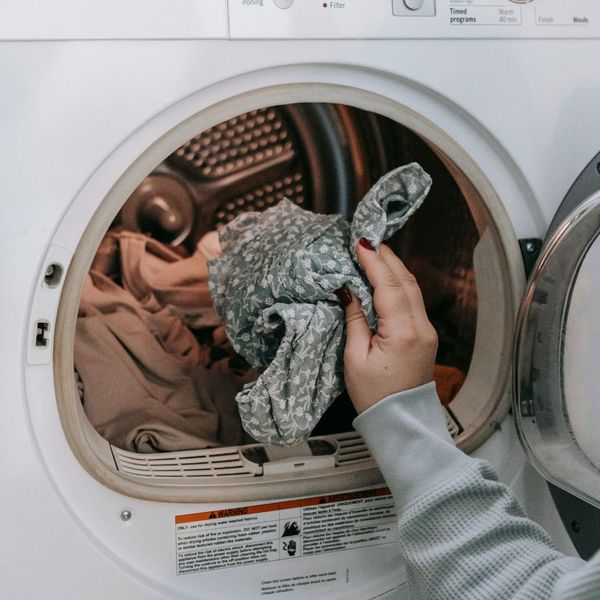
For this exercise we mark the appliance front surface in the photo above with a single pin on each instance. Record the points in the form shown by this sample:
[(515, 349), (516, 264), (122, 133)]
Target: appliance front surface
[(79, 114)]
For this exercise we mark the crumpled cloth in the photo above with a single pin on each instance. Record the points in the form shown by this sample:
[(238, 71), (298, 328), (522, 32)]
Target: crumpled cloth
[(448, 381), (274, 287), (145, 384), (155, 274)]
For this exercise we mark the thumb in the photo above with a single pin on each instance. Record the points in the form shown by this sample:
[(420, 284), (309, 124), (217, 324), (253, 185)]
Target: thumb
[(358, 334)]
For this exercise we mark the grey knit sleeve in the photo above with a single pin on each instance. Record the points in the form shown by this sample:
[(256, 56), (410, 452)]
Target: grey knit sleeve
[(462, 533)]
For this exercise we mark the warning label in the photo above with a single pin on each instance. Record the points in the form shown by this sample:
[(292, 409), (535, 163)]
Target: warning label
[(248, 535)]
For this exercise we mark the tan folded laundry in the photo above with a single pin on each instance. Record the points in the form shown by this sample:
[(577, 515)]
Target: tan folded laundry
[(142, 369), (144, 376)]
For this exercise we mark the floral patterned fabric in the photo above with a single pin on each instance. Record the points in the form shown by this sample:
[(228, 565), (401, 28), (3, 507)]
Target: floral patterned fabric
[(274, 287)]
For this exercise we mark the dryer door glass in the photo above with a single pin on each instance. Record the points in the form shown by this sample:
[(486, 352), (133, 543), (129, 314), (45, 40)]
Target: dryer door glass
[(557, 376)]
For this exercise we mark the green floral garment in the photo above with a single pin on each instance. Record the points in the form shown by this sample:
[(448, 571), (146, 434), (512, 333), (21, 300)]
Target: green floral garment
[(274, 287)]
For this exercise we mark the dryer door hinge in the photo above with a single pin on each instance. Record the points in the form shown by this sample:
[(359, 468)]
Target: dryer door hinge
[(530, 250)]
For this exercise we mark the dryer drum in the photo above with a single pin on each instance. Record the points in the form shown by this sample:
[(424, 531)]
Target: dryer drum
[(324, 158)]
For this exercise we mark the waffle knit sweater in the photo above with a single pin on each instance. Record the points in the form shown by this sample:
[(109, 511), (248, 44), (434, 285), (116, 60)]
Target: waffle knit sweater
[(462, 533)]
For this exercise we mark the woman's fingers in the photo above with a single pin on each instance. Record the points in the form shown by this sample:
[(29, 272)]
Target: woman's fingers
[(389, 298), (400, 355), (358, 334), (409, 283)]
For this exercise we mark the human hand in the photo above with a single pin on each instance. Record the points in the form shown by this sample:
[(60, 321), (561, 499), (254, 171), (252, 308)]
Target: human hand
[(400, 355)]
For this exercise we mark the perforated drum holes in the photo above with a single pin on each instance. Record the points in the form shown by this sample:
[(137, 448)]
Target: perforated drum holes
[(53, 275)]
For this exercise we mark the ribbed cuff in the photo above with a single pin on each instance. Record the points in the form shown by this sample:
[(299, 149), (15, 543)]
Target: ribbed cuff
[(408, 437)]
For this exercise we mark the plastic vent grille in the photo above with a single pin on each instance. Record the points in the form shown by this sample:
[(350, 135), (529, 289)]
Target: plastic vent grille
[(352, 449), (208, 463), (227, 462), (236, 145), (454, 427), (218, 462)]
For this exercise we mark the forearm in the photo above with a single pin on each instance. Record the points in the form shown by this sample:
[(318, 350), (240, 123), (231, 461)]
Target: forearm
[(408, 435), (462, 533)]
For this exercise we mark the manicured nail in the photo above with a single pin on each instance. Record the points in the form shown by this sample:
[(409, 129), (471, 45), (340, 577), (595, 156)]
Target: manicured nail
[(365, 243), (344, 295)]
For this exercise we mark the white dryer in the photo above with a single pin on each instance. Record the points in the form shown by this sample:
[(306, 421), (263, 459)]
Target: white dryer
[(314, 100)]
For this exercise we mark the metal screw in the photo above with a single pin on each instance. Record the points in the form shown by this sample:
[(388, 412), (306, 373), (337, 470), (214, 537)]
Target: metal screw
[(126, 515), (530, 247), (575, 526), (50, 271)]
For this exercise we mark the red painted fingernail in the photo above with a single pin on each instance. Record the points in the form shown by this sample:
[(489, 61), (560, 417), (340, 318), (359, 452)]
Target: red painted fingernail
[(365, 243), (344, 295)]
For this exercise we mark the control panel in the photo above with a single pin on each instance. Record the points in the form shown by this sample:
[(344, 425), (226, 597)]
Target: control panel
[(297, 19), (401, 19)]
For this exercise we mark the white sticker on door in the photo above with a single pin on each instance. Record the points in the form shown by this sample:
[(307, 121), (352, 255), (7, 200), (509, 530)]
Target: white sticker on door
[(248, 535)]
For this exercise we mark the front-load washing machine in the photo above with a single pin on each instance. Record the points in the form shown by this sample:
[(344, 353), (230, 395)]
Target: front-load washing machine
[(162, 121)]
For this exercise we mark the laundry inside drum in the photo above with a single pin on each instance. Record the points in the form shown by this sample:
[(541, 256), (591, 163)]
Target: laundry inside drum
[(155, 372)]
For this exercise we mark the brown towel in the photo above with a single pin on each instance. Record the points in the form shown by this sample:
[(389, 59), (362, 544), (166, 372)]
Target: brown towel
[(155, 273), (448, 381), (146, 387)]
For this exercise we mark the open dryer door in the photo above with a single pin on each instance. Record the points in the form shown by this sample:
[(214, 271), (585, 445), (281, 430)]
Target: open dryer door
[(557, 374)]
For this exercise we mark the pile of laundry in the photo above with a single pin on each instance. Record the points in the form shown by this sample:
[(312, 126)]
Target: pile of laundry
[(146, 381)]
